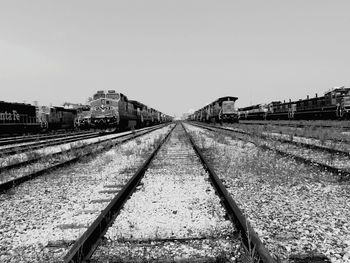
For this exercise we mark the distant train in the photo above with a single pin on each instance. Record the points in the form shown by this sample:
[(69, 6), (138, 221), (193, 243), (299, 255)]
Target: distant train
[(21, 118), (335, 104), (106, 110), (111, 110), (220, 110)]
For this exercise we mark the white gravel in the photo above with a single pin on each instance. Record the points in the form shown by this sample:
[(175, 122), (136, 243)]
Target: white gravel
[(40, 218), (295, 208)]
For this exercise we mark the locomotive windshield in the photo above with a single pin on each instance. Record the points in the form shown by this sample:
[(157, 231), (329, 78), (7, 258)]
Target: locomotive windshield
[(228, 107), (109, 95), (99, 96), (114, 96)]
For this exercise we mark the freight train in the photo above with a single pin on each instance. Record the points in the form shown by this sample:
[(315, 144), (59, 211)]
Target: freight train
[(221, 110), (21, 118), (106, 110), (334, 105), (111, 110)]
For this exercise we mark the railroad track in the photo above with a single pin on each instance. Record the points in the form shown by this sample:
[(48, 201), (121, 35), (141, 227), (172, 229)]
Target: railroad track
[(177, 185), (43, 164), (31, 138), (331, 159), (345, 125), (331, 147), (34, 145)]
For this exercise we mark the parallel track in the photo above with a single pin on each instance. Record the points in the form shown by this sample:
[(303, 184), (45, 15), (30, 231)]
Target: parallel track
[(31, 138), (45, 143), (85, 246), (345, 125), (21, 179), (343, 173)]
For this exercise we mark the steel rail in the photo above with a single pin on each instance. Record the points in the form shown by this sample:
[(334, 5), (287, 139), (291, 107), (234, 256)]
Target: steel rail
[(304, 144), (298, 125), (30, 138), (37, 145), (84, 247), (247, 232), (23, 163), (344, 174), (17, 181)]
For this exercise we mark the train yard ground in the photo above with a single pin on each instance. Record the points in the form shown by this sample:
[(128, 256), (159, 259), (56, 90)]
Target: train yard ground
[(42, 217), (319, 129), (173, 212), (295, 207)]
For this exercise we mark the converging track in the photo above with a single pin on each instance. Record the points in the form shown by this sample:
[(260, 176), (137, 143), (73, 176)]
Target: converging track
[(171, 210)]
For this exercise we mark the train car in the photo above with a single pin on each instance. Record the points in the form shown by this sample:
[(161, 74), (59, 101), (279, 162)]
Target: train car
[(255, 112), (56, 118), (111, 110), (221, 110), (83, 118), (335, 104), (346, 108), (18, 118)]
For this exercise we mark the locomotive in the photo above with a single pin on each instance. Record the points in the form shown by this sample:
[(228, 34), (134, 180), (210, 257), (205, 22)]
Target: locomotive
[(83, 118), (107, 110), (114, 111), (335, 104), (221, 110)]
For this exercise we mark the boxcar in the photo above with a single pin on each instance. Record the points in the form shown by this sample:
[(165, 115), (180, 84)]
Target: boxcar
[(17, 118)]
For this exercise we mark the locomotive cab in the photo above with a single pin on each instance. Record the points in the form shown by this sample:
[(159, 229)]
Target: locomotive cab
[(104, 109), (224, 109)]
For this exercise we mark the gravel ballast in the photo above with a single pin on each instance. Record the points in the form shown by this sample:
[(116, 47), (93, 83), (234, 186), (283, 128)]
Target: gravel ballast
[(174, 215), (41, 218), (295, 208)]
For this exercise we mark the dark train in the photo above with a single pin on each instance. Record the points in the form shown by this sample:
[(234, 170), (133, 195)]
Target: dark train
[(111, 110), (220, 110), (18, 118), (21, 118), (334, 105)]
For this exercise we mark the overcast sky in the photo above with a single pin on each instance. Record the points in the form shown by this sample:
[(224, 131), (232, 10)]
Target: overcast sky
[(173, 55)]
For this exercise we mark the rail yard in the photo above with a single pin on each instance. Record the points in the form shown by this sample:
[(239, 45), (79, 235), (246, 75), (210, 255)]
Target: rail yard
[(127, 183), (174, 131)]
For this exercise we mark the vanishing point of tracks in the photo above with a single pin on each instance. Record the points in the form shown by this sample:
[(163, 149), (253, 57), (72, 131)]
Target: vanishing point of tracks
[(177, 197)]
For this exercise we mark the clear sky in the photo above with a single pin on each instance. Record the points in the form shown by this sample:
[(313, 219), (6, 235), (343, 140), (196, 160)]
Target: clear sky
[(173, 55)]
